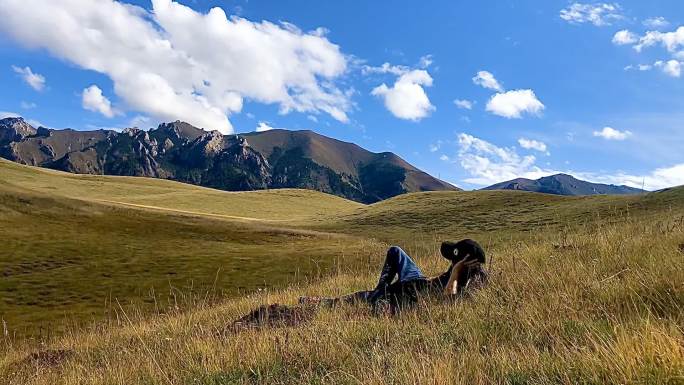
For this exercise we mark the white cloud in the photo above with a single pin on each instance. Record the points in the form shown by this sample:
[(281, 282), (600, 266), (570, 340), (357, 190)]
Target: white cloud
[(487, 80), (640, 67), (264, 126), (176, 63), (672, 41), (444, 158), (425, 61), (513, 104), (625, 37), (657, 179), (671, 67), (385, 68), (34, 80), (463, 104), (598, 14), (531, 144), (33, 122), (140, 121), (610, 133), (93, 100), (407, 99), (488, 164), (656, 22), (434, 147), (7, 114)]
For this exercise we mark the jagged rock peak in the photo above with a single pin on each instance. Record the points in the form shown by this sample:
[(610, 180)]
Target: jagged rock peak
[(131, 131), (15, 128)]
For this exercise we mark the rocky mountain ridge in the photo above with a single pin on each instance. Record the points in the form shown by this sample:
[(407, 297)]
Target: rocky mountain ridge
[(182, 152)]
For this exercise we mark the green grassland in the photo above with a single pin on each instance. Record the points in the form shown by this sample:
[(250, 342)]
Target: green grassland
[(67, 255), (585, 290)]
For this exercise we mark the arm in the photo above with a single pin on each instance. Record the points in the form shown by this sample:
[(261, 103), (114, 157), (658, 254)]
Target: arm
[(452, 284)]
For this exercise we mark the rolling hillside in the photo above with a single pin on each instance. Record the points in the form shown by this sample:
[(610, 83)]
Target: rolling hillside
[(75, 244), (134, 235), (587, 289)]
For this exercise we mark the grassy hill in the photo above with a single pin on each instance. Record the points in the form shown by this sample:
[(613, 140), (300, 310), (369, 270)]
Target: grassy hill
[(584, 289), (72, 244), (283, 204)]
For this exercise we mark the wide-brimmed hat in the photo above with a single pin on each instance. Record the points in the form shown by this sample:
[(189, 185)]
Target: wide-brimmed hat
[(457, 251)]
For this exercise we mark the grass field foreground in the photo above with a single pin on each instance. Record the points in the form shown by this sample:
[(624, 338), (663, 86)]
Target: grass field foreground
[(594, 306)]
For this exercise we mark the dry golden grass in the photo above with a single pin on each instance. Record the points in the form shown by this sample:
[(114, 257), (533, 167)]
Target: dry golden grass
[(594, 304)]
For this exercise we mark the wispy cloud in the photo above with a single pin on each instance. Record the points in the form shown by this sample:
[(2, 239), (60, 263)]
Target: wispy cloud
[(598, 14), (34, 80), (488, 164), (464, 104), (487, 80)]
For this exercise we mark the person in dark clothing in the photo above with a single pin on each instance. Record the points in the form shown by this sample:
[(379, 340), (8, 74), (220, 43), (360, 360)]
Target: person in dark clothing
[(466, 271)]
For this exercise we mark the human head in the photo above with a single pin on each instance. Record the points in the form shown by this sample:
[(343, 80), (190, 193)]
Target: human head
[(457, 251)]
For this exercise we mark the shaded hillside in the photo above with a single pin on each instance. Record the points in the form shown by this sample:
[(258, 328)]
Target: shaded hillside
[(255, 161), (563, 184)]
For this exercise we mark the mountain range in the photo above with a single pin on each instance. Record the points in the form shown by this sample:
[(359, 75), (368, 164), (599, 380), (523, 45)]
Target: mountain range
[(254, 161), (563, 184)]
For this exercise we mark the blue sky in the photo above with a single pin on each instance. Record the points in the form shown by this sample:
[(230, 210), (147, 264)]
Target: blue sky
[(590, 88)]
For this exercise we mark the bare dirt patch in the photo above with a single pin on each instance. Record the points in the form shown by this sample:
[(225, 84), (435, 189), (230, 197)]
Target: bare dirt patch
[(47, 358), (274, 315)]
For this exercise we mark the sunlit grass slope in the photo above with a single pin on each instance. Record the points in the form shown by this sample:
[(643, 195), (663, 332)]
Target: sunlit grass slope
[(497, 213), (598, 304), (284, 204), (64, 258), (586, 290)]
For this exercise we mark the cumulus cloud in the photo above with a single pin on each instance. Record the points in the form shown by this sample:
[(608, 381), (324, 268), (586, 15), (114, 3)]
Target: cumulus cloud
[(487, 80), (463, 104), (407, 99), (610, 133), (625, 37), (513, 104), (176, 63), (672, 41), (488, 164), (598, 14), (656, 22), (531, 144), (671, 67), (657, 179), (93, 100), (34, 80)]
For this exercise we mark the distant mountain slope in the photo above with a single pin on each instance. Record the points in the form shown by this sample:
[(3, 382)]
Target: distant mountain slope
[(563, 184), (254, 161)]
